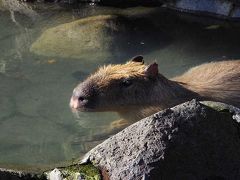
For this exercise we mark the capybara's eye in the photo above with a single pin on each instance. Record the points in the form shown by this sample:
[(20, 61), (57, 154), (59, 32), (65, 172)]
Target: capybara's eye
[(126, 82)]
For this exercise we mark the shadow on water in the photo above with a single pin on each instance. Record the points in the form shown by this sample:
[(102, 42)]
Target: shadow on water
[(37, 125)]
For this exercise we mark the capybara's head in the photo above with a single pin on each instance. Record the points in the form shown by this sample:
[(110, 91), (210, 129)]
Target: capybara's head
[(116, 87)]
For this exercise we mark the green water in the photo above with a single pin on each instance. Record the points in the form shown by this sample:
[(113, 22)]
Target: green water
[(37, 126)]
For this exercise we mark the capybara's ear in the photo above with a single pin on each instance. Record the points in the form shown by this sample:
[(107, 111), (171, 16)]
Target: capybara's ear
[(152, 70), (138, 58)]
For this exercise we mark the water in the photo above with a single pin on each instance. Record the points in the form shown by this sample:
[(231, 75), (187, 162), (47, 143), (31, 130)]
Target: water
[(37, 127)]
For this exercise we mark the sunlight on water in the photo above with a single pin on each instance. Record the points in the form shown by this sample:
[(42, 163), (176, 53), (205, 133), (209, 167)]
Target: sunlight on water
[(37, 126)]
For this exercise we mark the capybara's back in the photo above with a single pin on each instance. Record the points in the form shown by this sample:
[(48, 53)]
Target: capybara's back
[(217, 81)]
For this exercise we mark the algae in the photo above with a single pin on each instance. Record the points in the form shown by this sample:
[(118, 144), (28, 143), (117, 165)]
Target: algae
[(220, 107), (76, 171)]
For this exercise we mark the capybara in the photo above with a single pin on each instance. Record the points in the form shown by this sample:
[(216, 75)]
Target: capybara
[(135, 90)]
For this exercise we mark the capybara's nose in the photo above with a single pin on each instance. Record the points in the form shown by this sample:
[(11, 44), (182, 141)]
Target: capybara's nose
[(78, 102)]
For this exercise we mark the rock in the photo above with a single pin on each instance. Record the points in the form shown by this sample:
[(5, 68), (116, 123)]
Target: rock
[(100, 37), (75, 172), (55, 175), (189, 141), (72, 172), (7, 174), (221, 107), (209, 6), (91, 37), (218, 8)]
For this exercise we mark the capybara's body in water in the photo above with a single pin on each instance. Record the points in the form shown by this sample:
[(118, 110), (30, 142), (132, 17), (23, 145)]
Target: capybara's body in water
[(135, 90)]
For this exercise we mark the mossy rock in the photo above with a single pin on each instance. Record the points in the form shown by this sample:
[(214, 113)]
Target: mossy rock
[(216, 106), (224, 108), (89, 38), (75, 172), (220, 107)]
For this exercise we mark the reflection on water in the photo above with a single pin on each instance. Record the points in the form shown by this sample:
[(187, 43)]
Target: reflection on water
[(36, 125)]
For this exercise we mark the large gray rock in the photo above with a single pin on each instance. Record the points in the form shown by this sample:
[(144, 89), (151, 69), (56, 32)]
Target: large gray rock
[(190, 141), (90, 38), (100, 37)]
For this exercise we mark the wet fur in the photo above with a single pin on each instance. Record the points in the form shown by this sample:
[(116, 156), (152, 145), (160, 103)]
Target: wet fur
[(217, 81)]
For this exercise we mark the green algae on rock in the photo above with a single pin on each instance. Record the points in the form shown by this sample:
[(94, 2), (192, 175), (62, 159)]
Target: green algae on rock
[(224, 108), (75, 172), (90, 37)]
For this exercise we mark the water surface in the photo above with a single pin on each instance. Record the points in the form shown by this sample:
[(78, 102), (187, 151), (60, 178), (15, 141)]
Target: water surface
[(37, 126)]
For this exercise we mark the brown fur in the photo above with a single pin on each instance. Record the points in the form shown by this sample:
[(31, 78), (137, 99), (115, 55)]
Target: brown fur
[(107, 74), (218, 81)]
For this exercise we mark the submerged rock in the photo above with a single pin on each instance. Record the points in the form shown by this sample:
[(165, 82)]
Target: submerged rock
[(189, 141), (99, 37), (91, 37)]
